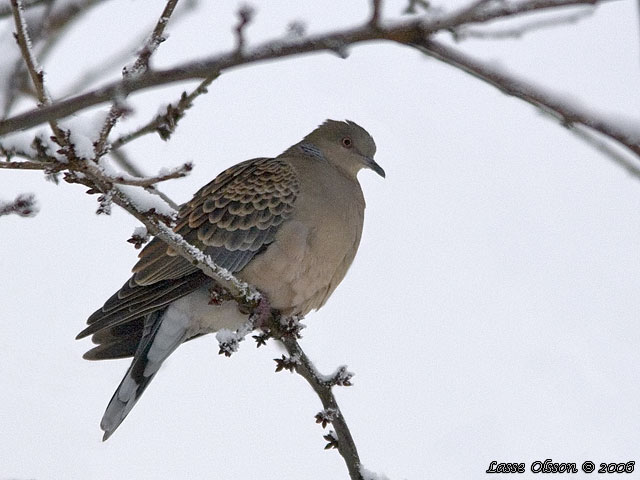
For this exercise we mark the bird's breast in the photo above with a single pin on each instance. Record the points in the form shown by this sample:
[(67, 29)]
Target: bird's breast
[(312, 251)]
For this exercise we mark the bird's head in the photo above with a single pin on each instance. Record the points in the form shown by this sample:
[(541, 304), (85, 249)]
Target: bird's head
[(345, 144)]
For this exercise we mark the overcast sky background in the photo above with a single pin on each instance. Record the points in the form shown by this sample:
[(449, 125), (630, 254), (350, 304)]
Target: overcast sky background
[(492, 312)]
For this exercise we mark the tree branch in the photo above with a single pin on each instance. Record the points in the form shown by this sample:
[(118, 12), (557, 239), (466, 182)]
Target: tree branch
[(166, 123), (35, 72), (460, 34), (405, 32), (179, 172), (7, 10), (567, 114), (140, 66), (322, 386), (240, 291)]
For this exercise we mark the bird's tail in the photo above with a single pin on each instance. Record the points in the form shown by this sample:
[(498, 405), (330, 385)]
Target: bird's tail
[(160, 337)]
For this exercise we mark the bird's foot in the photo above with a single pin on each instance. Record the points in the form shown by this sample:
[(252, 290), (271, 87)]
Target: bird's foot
[(262, 312)]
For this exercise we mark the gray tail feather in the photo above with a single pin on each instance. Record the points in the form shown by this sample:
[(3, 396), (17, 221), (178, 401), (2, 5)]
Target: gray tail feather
[(156, 344)]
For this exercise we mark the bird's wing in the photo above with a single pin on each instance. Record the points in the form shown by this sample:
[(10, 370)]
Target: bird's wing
[(232, 219)]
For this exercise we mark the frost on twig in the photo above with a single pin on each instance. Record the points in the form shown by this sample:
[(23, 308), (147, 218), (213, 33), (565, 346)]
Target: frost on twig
[(139, 237), (341, 377), (228, 341), (369, 475), (24, 205), (287, 363), (332, 440), (325, 417)]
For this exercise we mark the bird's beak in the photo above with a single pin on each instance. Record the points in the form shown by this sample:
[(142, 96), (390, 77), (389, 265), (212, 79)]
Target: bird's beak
[(373, 165)]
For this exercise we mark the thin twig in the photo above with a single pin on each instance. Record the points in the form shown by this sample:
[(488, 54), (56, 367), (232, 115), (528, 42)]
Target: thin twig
[(322, 386), (166, 123), (405, 32), (46, 29), (120, 57), (6, 10), (606, 149), (245, 15), (566, 113), (180, 172), (518, 32), (125, 163), (376, 13), (35, 72), (140, 66)]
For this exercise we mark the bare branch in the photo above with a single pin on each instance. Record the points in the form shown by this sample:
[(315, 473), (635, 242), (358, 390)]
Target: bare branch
[(376, 12), (518, 32), (606, 149), (47, 29), (6, 10), (140, 66), (25, 205), (179, 172), (566, 113), (166, 123), (35, 72), (301, 363), (120, 57), (128, 166), (405, 32), (245, 15)]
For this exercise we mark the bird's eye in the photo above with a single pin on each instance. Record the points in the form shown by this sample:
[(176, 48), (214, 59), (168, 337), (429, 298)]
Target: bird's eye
[(347, 142)]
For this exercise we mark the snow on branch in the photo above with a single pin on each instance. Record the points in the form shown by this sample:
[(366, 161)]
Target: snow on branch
[(80, 155), (24, 205)]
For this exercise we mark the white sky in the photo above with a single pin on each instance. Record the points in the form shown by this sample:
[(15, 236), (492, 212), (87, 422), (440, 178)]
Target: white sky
[(491, 312)]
